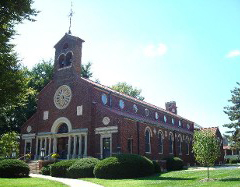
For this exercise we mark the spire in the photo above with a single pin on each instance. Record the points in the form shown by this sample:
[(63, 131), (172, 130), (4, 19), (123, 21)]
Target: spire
[(70, 19)]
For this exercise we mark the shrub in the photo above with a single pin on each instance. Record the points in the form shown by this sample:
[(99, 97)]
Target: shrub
[(157, 168), (82, 168), (46, 170), (13, 168), (124, 166), (59, 169), (174, 163), (233, 161)]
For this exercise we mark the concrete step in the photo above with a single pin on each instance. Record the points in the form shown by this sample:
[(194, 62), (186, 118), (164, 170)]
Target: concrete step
[(34, 167)]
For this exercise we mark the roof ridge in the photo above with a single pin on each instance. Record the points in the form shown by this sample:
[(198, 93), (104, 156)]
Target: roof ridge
[(133, 98)]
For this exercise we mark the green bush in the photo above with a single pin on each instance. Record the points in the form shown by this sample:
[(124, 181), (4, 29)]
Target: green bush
[(233, 161), (124, 166), (46, 170), (59, 169), (82, 168), (10, 168), (174, 163), (157, 168)]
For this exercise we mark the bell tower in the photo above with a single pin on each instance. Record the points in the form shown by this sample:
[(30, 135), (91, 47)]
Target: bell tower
[(68, 57)]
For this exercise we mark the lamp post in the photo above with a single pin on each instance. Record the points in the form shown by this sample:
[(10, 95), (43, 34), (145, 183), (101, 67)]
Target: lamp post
[(14, 153), (42, 153)]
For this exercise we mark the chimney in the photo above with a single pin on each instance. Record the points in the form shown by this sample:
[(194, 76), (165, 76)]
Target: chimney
[(171, 106)]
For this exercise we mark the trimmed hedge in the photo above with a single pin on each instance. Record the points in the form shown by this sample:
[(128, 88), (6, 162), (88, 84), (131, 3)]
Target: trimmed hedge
[(124, 166), (233, 161), (46, 170), (174, 163), (59, 169), (82, 168), (13, 168), (157, 168)]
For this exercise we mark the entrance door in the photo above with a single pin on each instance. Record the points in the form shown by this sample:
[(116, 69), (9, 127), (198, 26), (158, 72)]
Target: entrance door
[(62, 147), (28, 147), (106, 147)]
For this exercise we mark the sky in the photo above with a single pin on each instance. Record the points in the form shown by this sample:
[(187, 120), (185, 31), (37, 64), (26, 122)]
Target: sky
[(184, 51)]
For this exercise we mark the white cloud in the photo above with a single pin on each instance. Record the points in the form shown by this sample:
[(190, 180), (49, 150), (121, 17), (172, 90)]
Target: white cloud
[(153, 51), (233, 53)]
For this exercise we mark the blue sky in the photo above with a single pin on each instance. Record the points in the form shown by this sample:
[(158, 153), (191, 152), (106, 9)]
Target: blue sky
[(186, 51)]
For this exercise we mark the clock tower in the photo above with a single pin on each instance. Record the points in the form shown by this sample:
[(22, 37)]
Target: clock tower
[(68, 55)]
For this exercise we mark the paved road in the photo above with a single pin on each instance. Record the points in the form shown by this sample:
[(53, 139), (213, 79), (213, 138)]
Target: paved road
[(69, 182)]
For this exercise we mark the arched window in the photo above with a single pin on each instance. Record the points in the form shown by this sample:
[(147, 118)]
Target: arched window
[(160, 142), (179, 144), (187, 146), (61, 60), (171, 143), (69, 58), (63, 128), (147, 141)]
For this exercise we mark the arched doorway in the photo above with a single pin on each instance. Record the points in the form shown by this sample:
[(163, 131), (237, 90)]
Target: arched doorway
[(62, 142)]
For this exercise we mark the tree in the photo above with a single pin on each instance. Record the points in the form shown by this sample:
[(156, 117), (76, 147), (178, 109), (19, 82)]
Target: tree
[(127, 89), (9, 142), (12, 81), (13, 118), (86, 70), (206, 148), (233, 113)]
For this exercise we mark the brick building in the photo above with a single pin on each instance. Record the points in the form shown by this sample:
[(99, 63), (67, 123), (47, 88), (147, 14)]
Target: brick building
[(77, 117)]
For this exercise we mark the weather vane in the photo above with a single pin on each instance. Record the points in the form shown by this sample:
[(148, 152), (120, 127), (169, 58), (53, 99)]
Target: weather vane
[(70, 19)]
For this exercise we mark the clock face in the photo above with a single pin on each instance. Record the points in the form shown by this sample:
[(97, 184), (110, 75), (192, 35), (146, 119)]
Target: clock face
[(62, 97)]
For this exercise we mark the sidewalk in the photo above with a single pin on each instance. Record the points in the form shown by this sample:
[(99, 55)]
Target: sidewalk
[(67, 181), (214, 168)]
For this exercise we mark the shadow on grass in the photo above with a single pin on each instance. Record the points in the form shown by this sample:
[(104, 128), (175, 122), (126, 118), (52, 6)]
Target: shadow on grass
[(158, 177), (229, 179)]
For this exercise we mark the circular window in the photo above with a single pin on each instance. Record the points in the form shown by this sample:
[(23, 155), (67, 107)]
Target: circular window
[(179, 123), (165, 119), (173, 121), (156, 115), (29, 129), (135, 108), (104, 99), (121, 103), (146, 112), (106, 120), (62, 97)]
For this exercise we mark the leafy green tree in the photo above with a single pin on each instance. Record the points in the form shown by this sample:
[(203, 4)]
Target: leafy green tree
[(206, 148), (13, 118), (9, 142), (86, 70), (233, 113), (127, 89), (12, 80)]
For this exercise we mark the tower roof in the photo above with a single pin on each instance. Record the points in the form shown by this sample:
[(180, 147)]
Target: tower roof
[(68, 36)]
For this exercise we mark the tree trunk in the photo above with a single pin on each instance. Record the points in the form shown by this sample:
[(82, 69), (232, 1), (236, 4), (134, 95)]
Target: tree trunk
[(208, 172)]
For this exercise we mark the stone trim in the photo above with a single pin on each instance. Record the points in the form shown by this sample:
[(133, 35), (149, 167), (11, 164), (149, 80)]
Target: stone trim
[(106, 130)]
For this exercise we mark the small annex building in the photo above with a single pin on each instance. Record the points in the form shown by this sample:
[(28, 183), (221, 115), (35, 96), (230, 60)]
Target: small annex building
[(77, 117)]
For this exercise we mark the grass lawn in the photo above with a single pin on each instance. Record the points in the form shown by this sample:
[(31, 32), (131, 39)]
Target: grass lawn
[(27, 182), (177, 179)]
